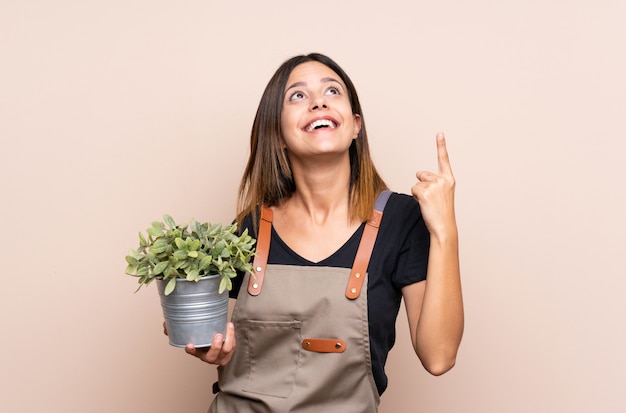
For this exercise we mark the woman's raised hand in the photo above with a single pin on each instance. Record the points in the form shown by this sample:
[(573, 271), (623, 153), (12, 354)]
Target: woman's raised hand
[(435, 194)]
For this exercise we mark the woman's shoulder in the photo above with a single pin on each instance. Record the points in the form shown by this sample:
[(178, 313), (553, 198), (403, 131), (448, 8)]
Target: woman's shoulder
[(402, 204), (401, 214)]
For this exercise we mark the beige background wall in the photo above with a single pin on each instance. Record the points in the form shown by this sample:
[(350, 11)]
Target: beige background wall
[(114, 112)]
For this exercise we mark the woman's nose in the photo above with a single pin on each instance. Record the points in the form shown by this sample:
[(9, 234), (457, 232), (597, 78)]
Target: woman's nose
[(318, 102)]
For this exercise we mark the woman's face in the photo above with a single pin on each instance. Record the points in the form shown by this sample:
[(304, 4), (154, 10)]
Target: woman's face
[(317, 118)]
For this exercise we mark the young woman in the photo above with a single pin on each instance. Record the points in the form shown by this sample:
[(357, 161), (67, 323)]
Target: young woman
[(336, 253)]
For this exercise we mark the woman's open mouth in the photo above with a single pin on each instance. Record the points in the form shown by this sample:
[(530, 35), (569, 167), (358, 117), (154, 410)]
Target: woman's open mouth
[(320, 124)]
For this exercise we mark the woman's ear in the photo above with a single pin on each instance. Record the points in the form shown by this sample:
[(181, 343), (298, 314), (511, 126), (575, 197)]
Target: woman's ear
[(357, 125)]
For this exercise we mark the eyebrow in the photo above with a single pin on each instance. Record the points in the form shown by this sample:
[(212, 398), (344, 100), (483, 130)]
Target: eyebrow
[(323, 80)]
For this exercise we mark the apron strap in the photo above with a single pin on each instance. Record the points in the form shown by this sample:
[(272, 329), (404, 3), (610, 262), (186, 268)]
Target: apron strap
[(363, 254), (361, 261), (262, 252)]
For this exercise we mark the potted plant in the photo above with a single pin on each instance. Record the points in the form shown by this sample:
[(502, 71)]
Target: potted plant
[(194, 265)]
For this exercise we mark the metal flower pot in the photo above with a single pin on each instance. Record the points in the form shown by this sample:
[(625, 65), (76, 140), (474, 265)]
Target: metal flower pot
[(194, 312)]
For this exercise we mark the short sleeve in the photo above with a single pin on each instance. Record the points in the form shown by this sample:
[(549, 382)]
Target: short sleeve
[(413, 258), (405, 238)]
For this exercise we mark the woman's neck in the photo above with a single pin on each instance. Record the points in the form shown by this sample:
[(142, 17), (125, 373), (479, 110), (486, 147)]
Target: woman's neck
[(322, 190)]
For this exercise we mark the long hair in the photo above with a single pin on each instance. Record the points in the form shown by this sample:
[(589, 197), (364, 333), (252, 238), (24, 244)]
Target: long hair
[(268, 180)]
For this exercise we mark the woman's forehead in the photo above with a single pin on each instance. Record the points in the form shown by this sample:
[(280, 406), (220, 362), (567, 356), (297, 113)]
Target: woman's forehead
[(311, 72)]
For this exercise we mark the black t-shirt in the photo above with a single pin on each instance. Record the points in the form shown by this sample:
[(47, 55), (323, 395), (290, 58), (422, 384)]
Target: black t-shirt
[(399, 258)]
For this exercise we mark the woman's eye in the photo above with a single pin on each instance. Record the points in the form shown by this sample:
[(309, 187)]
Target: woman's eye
[(296, 96), (332, 91)]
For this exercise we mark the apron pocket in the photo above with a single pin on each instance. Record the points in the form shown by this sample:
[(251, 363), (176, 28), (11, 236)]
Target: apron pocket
[(273, 356)]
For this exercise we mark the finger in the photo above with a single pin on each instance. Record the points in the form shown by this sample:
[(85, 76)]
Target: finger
[(213, 355), (201, 353), (425, 176), (164, 328), (218, 341), (209, 354), (442, 155), (228, 346), (191, 349), (417, 191), (229, 341)]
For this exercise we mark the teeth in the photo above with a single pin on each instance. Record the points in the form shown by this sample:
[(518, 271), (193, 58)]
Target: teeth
[(321, 122)]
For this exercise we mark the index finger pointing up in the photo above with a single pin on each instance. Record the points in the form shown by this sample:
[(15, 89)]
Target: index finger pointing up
[(442, 155)]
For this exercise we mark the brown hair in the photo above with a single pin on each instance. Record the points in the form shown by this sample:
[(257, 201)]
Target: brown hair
[(268, 180)]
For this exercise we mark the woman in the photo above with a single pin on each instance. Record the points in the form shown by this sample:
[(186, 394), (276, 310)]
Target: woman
[(336, 253)]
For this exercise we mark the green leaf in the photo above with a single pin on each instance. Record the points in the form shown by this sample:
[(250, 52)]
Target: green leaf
[(193, 254), (159, 246), (131, 270), (142, 271), (194, 245), (225, 284), (160, 267), (170, 286), (214, 229), (158, 225), (131, 260), (229, 272), (169, 221), (142, 240), (205, 262), (155, 232), (180, 244), (194, 275), (219, 247), (195, 226), (180, 254)]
